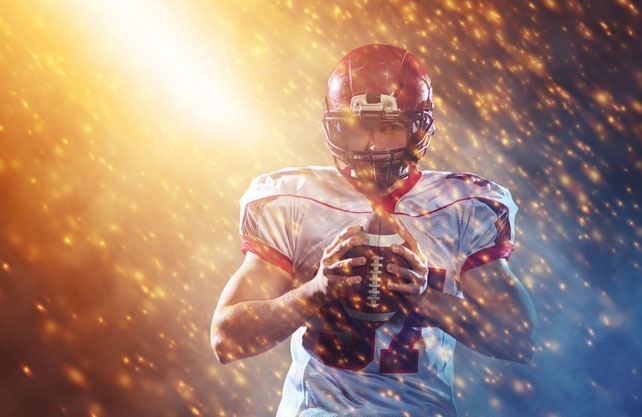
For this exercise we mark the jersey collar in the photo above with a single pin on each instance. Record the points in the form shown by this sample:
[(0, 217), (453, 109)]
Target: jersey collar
[(388, 202)]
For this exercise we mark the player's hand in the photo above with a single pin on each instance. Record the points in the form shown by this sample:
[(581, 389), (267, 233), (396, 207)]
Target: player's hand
[(416, 276), (335, 273)]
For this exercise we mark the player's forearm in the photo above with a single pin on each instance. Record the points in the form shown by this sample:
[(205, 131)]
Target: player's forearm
[(500, 329), (249, 328)]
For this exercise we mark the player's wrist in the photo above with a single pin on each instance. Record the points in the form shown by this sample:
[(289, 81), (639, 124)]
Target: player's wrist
[(426, 304), (316, 292)]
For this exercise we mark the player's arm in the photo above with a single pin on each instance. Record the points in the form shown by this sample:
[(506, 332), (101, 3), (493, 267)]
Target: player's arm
[(496, 317), (260, 307)]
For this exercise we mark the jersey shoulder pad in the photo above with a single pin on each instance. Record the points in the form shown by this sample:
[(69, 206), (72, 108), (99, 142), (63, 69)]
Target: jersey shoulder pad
[(475, 186), (440, 189), (315, 183)]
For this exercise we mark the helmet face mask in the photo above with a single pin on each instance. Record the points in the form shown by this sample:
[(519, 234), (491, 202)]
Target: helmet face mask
[(378, 84), (379, 168)]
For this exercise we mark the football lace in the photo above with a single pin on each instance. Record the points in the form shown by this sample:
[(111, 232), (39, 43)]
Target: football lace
[(375, 282)]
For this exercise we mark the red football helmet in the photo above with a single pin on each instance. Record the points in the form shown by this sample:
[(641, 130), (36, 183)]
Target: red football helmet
[(379, 82)]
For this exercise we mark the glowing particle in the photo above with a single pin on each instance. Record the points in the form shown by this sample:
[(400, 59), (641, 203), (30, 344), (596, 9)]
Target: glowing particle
[(27, 370), (75, 376)]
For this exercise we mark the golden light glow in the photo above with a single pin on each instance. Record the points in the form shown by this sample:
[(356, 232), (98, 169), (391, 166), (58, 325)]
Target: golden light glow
[(187, 71)]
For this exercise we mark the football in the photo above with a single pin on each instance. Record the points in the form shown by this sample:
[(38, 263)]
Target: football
[(371, 300)]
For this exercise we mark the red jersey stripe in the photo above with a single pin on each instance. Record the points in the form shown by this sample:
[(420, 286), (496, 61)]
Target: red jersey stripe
[(484, 256), (266, 252)]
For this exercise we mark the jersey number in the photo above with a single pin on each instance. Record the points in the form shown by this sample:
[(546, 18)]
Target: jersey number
[(352, 347)]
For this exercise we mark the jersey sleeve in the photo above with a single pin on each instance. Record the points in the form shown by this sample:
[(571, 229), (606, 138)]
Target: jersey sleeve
[(488, 229), (265, 226)]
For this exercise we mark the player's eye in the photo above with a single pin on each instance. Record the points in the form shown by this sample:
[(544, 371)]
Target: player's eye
[(392, 127)]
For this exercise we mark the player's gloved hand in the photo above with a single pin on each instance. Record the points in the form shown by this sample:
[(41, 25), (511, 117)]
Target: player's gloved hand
[(416, 276), (335, 273)]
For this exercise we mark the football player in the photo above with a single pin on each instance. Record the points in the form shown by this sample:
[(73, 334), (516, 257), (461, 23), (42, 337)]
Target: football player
[(298, 223)]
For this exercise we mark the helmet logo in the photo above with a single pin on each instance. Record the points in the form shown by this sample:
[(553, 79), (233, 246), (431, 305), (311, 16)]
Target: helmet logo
[(365, 103)]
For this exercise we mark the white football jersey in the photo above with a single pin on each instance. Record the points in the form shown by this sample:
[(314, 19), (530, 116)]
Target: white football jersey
[(405, 366)]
